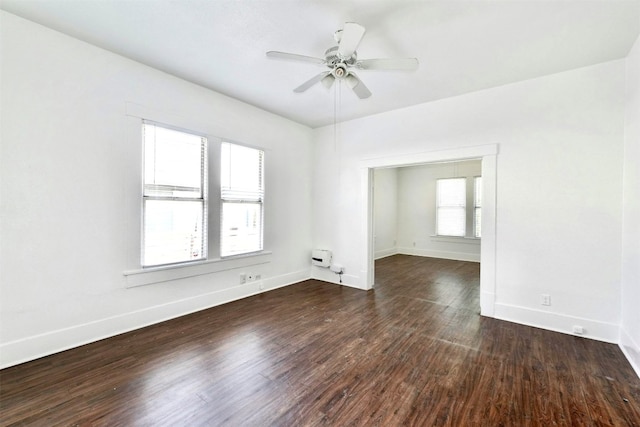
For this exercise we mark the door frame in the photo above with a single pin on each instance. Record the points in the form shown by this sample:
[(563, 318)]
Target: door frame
[(488, 155)]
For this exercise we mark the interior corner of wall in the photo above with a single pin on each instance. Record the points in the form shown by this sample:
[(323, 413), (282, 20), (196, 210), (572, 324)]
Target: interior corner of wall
[(630, 349)]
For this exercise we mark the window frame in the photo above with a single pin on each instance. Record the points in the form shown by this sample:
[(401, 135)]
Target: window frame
[(233, 195), (477, 207), (203, 199), (134, 275)]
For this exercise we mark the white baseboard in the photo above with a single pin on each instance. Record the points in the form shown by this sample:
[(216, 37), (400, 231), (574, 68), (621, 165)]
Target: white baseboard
[(281, 281), (352, 282), (34, 347), (593, 329), (457, 256), (631, 350), (383, 253), (326, 275), (487, 304)]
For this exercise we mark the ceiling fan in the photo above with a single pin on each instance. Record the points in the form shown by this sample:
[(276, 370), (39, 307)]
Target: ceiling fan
[(343, 58)]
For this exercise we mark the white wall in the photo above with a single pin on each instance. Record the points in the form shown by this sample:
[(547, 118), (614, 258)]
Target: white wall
[(385, 202), (68, 160), (404, 211), (417, 211), (630, 326), (559, 188), (69, 175)]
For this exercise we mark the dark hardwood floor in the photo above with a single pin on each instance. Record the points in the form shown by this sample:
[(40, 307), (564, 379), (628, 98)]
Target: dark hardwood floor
[(413, 352)]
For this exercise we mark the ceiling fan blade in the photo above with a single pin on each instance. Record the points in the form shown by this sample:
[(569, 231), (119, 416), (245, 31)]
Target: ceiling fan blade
[(352, 33), (327, 81), (358, 87), (399, 64), (294, 57), (306, 85)]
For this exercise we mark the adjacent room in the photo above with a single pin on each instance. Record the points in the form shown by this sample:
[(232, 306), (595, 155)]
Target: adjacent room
[(319, 213)]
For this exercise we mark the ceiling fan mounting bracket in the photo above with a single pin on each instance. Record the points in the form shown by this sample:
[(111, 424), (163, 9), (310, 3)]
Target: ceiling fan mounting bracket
[(337, 36)]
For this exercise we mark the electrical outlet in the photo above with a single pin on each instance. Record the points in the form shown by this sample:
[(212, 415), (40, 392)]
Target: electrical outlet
[(243, 278), (578, 330), (546, 299)]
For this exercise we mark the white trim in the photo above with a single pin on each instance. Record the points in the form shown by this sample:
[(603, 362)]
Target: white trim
[(630, 349), (349, 281), (488, 251), (383, 253), (324, 274), (33, 347), (457, 256), (488, 154), (487, 301), (166, 273), (437, 156), (167, 118), (366, 247), (287, 279), (563, 323)]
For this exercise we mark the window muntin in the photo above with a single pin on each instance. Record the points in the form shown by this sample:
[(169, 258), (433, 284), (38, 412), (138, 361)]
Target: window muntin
[(242, 196), (451, 207), (174, 196)]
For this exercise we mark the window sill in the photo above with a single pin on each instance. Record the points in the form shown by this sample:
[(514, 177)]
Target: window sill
[(150, 275)]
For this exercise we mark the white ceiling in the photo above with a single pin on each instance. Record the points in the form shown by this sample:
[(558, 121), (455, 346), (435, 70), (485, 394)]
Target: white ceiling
[(462, 46)]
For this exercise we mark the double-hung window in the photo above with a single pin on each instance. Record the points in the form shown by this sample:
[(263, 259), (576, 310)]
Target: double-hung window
[(174, 196), (242, 194), (451, 207)]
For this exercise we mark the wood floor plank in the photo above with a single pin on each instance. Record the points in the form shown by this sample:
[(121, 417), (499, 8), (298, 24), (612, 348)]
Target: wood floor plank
[(412, 352)]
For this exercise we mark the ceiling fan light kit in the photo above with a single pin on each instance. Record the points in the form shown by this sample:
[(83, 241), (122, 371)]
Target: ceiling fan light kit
[(343, 58)]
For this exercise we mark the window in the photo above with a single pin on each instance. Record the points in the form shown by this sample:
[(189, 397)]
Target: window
[(242, 194), (477, 207), (451, 207), (175, 202), (174, 196)]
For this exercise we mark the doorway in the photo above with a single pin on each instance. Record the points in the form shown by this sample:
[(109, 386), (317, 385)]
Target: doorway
[(488, 155)]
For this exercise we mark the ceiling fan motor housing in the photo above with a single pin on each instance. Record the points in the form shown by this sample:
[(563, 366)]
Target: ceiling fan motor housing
[(333, 58)]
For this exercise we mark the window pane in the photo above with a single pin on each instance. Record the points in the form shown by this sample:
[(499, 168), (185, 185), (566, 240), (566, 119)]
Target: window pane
[(451, 221), (242, 193), (241, 228), (451, 207), (241, 171), (173, 162), (451, 192), (173, 231), (477, 220)]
